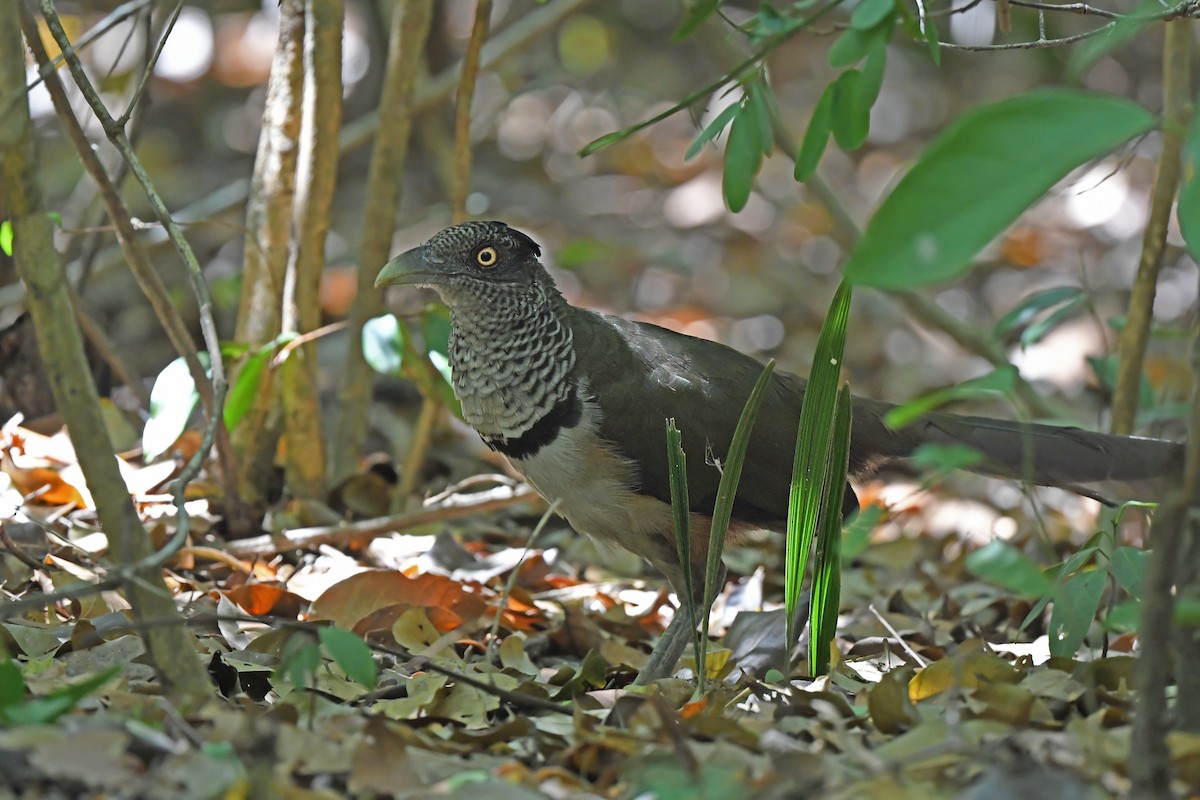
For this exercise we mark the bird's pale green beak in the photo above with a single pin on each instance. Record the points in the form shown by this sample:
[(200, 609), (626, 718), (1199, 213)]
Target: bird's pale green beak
[(410, 268)]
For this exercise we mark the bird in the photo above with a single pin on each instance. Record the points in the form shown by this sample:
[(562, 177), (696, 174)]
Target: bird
[(576, 400)]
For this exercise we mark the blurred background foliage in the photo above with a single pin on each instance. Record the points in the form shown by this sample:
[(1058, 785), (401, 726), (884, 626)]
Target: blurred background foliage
[(636, 228)]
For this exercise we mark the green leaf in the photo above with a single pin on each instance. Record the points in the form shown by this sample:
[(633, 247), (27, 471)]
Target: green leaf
[(1188, 209), (712, 130), (300, 659), (350, 653), (827, 574), (856, 533), (934, 41), (1002, 564), (866, 92), (1105, 370), (1187, 611), (743, 158), (941, 459), (1075, 606), (42, 710), (1002, 380), (1124, 616), (937, 218), (849, 126), (1025, 311), (869, 13), (759, 101), (608, 139), (811, 467), (6, 237), (698, 11), (849, 48), (1038, 330), (816, 138), (245, 387), (383, 344), (12, 684), (1129, 569), (172, 400)]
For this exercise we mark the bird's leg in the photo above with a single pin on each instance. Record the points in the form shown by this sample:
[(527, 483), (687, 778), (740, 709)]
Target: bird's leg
[(674, 640), (667, 650)]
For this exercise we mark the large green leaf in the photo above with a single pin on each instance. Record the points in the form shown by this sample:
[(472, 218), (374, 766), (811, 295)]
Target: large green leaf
[(976, 178), (1075, 607)]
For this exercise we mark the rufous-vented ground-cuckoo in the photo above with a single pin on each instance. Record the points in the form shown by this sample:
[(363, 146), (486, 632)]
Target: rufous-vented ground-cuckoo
[(577, 401)]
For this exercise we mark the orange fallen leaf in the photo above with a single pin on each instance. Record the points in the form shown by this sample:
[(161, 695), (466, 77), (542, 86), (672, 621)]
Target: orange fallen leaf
[(349, 601), (260, 599)]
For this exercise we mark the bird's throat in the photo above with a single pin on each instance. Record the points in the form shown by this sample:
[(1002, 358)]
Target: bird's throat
[(511, 354)]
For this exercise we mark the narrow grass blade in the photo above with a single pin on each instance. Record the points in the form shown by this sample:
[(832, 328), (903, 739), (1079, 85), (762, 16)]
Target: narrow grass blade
[(680, 509), (827, 574), (731, 473), (813, 445)]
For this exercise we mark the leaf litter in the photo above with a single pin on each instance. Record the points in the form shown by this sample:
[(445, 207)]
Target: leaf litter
[(452, 683)]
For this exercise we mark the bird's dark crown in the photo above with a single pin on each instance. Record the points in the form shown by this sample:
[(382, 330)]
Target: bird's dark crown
[(486, 249)]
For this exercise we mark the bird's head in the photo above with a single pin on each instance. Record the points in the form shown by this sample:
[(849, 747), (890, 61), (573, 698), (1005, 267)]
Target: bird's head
[(472, 259)]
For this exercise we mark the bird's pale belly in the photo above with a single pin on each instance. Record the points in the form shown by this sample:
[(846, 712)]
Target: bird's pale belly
[(594, 487)]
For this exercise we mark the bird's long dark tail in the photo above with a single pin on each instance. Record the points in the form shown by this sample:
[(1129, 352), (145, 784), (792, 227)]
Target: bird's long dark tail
[(1112, 468)]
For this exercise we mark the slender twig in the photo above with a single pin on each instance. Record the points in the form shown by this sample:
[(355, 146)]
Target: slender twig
[(148, 68), (305, 338), (1070, 8), (454, 507), (1034, 45), (1131, 347), (462, 110), (913, 654)]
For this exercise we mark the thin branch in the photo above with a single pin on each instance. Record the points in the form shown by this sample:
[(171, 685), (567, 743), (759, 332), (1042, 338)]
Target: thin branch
[(453, 507), (1034, 45), (1177, 110), (462, 110), (1070, 8), (148, 69)]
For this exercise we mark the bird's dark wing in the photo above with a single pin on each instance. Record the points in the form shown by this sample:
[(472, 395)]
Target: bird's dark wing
[(641, 375)]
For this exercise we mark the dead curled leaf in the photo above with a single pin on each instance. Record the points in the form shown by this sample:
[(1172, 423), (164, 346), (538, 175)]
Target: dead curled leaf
[(367, 593)]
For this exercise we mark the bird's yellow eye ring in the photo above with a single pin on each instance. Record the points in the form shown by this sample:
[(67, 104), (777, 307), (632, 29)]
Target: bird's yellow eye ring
[(486, 256)]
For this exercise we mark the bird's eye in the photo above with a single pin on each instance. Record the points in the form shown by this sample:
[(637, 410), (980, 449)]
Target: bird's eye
[(486, 256)]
